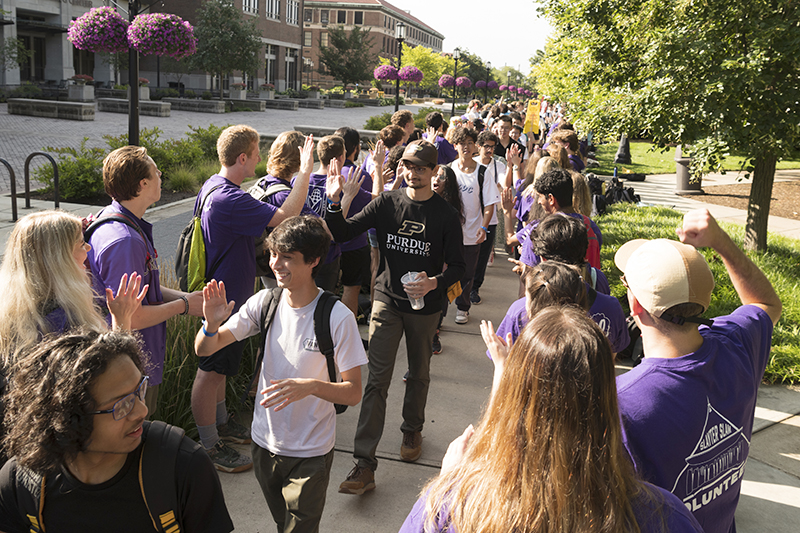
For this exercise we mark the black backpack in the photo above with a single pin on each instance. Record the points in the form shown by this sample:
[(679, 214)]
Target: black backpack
[(159, 453), (262, 252), (322, 331), (481, 175), (184, 251)]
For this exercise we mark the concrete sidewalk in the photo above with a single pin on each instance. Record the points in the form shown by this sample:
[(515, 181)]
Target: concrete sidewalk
[(460, 382)]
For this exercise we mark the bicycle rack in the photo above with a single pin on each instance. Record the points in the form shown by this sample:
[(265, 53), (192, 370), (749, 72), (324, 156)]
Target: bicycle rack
[(28, 178), (13, 189)]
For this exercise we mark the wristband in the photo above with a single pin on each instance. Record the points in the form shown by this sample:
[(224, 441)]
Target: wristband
[(206, 333), (485, 229), (334, 207), (186, 305)]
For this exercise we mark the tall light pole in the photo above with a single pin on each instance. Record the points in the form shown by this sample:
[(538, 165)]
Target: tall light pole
[(486, 89), (400, 35), (456, 55), (133, 82)]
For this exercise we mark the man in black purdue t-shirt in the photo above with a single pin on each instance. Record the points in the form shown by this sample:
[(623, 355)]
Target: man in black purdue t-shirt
[(417, 231)]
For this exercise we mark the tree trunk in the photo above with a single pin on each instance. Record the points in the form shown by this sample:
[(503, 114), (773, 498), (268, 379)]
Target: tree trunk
[(755, 235), (220, 86)]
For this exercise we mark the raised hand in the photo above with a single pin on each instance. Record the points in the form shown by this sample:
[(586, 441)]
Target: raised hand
[(216, 308), (127, 301)]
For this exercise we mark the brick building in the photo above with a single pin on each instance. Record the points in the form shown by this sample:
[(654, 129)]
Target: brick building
[(378, 16)]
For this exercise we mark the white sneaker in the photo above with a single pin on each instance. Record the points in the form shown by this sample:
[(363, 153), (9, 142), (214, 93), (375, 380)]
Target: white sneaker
[(462, 317)]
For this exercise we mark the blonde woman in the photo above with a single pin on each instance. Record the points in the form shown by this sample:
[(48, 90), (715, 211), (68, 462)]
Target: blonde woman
[(581, 194), (47, 288), (547, 455)]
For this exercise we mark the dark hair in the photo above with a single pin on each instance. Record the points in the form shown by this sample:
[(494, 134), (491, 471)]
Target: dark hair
[(352, 140), (395, 155), (434, 119), (462, 135), (487, 135), (557, 182), (560, 237), (514, 115), (416, 135), (123, 171), (391, 135), (451, 193), (517, 127), (49, 407), (553, 283), (478, 124), (304, 234)]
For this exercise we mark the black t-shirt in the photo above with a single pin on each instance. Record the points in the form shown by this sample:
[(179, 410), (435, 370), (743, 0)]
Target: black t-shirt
[(413, 237), (117, 505), (501, 150)]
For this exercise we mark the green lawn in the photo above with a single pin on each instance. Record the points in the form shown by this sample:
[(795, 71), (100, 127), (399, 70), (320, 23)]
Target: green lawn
[(648, 161), (781, 264)]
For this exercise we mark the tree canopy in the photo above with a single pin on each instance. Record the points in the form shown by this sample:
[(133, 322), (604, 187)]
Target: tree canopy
[(226, 41), (717, 75), (347, 57)]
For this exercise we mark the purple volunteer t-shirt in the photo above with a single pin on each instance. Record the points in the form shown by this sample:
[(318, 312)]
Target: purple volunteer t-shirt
[(118, 249), (527, 254), (363, 197), (523, 205), (577, 163), (231, 220), (687, 421), (664, 514), (317, 203), (447, 153)]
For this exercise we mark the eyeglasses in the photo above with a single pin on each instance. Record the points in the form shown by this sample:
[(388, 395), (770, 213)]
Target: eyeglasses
[(488, 146), (624, 281), (415, 169), (124, 406)]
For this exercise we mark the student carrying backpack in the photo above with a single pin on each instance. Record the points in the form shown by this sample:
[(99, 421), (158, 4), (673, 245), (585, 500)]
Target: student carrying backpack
[(190, 257)]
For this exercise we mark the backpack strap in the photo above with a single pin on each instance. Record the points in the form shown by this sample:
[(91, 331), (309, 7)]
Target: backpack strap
[(112, 217), (593, 276), (591, 296), (481, 176), (268, 309), (162, 442), (322, 331), (198, 212)]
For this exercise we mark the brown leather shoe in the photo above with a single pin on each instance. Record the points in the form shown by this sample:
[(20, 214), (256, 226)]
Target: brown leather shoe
[(360, 480), (411, 448)]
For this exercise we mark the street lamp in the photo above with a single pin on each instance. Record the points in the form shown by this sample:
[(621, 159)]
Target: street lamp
[(456, 55), (486, 89), (400, 35)]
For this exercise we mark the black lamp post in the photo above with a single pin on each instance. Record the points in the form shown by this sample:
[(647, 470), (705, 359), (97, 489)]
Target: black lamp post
[(133, 81), (486, 89), (400, 35), (456, 55)]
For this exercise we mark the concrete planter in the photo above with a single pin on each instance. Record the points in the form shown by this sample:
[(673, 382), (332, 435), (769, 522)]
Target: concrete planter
[(313, 94), (683, 181), (144, 93), (348, 94), (239, 94), (266, 94), (81, 93)]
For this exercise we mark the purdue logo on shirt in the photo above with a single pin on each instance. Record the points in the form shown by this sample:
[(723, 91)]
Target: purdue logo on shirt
[(410, 227), (311, 344)]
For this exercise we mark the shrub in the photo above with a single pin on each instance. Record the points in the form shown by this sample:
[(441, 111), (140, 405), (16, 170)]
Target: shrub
[(80, 172), (168, 154), (378, 122), (390, 101), (353, 104), (158, 94), (206, 139), (188, 93), (206, 168), (419, 118), (206, 95), (181, 179), (261, 167), (26, 90)]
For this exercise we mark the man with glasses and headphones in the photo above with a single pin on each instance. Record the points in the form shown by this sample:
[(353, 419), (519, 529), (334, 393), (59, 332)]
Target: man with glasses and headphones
[(83, 456), (418, 232)]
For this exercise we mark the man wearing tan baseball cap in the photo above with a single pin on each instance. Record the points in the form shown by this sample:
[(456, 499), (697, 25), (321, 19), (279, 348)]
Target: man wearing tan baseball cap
[(688, 408)]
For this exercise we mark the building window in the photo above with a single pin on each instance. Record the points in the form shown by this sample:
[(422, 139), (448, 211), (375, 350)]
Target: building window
[(307, 38), (291, 68), (323, 16), (250, 6), (292, 12), (323, 39), (271, 65), (341, 17), (358, 18), (274, 9), (307, 15)]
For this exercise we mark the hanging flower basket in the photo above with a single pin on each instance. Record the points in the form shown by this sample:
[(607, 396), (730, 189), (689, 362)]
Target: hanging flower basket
[(480, 84), (446, 81), (385, 73), (512, 88), (503, 87), (491, 85), (410, 74), (162, 34), (101, 29), (463, 82)]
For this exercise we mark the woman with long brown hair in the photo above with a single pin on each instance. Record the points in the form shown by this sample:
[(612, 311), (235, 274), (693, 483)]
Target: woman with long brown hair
[(547, 455)]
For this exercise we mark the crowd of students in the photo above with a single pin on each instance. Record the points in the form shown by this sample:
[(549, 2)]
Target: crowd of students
[(562, 446)]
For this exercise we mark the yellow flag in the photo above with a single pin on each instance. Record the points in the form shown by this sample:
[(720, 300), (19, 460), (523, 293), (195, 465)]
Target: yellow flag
[(532, 118)]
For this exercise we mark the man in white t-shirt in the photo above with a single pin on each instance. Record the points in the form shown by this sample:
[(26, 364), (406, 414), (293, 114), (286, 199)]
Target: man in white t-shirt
[(294, 422), (479, 195)]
